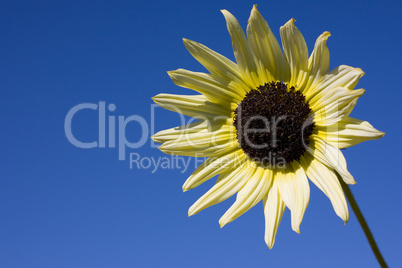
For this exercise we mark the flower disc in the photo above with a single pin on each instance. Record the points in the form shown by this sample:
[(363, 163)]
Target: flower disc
[(273, 124)]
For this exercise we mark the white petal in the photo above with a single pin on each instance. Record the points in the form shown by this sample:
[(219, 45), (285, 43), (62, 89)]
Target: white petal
[(341, 76), (318, 63), (296, 53), (274, 207), (214, 88), (268, 53), (330, 156), (252, 193), (348, 132), (295, 191), (327, 181), (332, 106), (227, 185), (197, 106), (214, 166), (242, 51)]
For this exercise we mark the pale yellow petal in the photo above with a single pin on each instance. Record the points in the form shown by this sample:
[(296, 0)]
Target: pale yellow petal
[(214, 166), (341, 76), (274, 207), (215, 88), (296, 53), (318, 63), (218, 65), (327, 181), (331, 156), (295, 191), (348, 132), (227, 185), (242, 51), (197, 106), (329, 107), (267, 51), (184, 132), (255, 189), (203, 143)]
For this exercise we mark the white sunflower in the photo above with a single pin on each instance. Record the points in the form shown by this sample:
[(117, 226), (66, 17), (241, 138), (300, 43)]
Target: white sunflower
[(267, 123)]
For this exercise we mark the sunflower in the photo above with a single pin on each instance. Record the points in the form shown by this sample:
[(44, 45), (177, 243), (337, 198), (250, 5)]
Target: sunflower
[(267, 123)]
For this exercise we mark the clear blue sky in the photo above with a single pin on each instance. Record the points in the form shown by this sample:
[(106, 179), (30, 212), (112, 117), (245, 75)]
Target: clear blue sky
[(64, 206)]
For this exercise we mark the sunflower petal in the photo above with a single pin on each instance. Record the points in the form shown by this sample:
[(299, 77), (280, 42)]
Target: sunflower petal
[(214, 166), (318, 63), (215, 89), (255, 189), (348, 132), (218, 65), (242, 51), (203, 143), (228, 184), (274, 207), (295, 191), (331, 106), (331, 156), (341, 76), (185, 131), (296, 53), (268, 53), (327, 181), (197, 106)]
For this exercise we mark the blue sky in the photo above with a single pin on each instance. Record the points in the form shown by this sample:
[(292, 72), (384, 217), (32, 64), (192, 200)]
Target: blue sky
[(64, 206)]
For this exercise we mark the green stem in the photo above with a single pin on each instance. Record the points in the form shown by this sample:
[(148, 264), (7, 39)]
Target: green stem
[(363, 224)]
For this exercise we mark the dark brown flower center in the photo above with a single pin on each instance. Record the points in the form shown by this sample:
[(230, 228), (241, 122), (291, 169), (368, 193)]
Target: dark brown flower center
[(273, 124)]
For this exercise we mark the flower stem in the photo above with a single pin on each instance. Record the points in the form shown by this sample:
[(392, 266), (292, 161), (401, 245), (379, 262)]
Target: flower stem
[(363, 224)]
